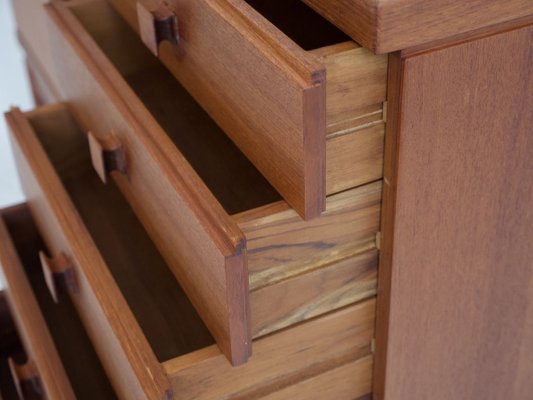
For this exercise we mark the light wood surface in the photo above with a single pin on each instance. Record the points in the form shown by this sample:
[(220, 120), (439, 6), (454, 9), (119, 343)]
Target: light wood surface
[(389, 25), (355, 158), (184, 206), (122, 347), (306, 296), (281, 245), (456, 277), (352, 160), (30, 323), (277, 88), (355, 78), (238, 186), (160, 306), (63, 327), (347, 382), (107, 229), (279, 360), (261, 64)]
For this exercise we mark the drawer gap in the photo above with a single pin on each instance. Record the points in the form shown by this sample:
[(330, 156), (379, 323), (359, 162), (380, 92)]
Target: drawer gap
[(299, 22), (163, 311)]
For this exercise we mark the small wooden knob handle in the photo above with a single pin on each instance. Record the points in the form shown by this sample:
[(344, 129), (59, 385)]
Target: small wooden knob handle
[(157, 24), (58, 274), (26, 380), (107, 155)]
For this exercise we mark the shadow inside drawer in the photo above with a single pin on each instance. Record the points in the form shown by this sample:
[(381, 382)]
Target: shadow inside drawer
[(229, 175), (163, 311), (81, 363)]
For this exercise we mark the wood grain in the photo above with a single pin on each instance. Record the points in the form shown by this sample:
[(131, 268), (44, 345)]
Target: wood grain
[(355, 158), (263, 90), (80, 362), (282, 245), (361, 232), (458, 215), (347, 382), (318, 292), (355, 78), (158, 303), (103, 102), (32, 33), (30, 323), (264, 68), (385, 26), (279, 360), (122, 347)]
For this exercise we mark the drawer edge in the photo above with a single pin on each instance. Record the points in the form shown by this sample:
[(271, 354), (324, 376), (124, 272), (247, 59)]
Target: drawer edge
[(30, 321)]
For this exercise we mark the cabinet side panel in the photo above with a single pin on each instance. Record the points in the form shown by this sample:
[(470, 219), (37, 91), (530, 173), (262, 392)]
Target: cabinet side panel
[(456, 270)]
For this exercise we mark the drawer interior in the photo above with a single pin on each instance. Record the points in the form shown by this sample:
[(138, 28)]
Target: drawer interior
[(299, 22), (163, 311), (231, 177), (81, 363)]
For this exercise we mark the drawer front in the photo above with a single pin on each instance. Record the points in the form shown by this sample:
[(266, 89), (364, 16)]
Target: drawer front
[(183, 217), (267, 93), (122, 348), (31, 325)]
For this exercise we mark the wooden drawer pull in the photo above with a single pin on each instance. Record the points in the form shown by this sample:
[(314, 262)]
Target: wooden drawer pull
[(26, 380), (58, 274), (157, 25), (107, 155)]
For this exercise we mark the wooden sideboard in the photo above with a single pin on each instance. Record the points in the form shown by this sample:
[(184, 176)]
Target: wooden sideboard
[(244, 199)]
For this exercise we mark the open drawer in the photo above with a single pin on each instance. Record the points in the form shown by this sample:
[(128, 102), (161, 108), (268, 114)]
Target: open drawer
[(59, 360), (216, 221), (132, 306), (145, 331), (282, 82)]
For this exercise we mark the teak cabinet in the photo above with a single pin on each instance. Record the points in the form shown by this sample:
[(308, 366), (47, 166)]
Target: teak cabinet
[(282, 199)]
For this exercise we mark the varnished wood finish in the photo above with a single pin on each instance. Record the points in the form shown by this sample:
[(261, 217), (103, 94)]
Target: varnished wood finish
[(281, 245), (355, 158), (306, 296), (279, 89), (49, 139), (346, 228), (30, 323), (281, 360), (121, 345), (285, 114), (58, 324), (456, 277), (347, 382), (389, 25), (184, 207), (356, 78)]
